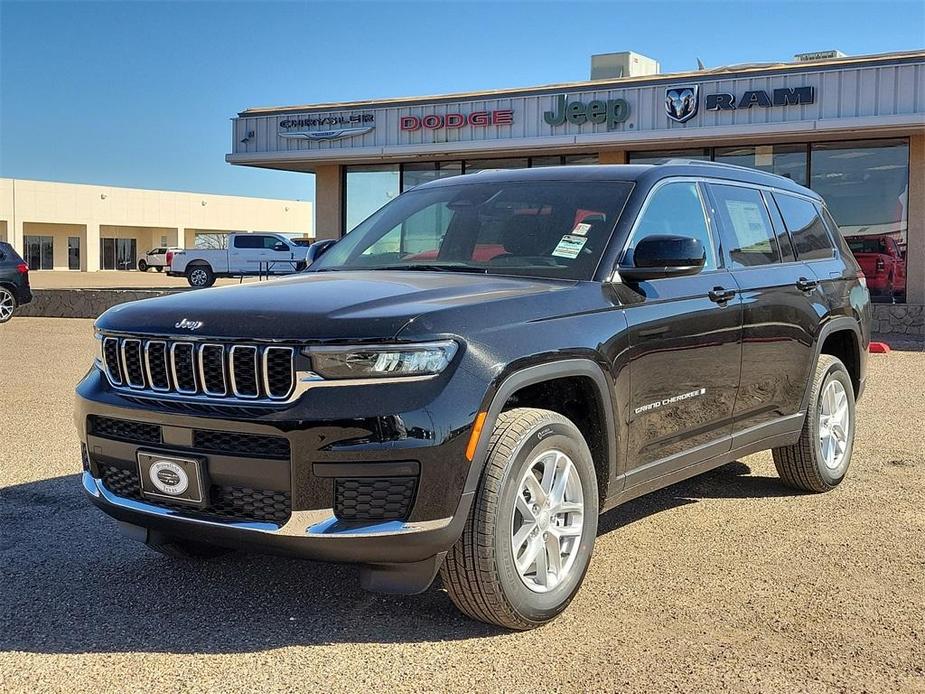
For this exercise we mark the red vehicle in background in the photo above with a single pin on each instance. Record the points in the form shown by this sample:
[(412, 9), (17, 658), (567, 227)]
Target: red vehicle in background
[(883, 263)]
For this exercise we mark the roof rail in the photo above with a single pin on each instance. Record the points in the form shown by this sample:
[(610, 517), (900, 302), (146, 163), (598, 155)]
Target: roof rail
[(700, 162)]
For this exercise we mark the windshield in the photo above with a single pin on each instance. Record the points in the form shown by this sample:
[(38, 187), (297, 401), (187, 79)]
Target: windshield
[(556, 229)]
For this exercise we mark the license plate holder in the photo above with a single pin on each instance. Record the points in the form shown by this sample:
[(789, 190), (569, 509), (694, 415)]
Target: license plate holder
[(176, 478)]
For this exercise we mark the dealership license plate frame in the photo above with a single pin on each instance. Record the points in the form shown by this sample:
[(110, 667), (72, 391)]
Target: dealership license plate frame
[(195, 496)]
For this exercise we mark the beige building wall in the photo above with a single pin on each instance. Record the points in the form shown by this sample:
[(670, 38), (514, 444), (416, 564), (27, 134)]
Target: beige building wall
[(92, 212)]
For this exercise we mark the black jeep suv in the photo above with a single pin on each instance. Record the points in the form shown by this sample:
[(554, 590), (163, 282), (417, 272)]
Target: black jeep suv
[(14, 282), (467, 379)]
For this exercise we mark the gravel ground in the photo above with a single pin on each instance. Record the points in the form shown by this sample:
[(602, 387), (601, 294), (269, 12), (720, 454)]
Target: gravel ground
[(726, 582)]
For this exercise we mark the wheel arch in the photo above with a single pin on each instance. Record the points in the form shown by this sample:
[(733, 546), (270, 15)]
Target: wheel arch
[(604, 451), (839, 337)]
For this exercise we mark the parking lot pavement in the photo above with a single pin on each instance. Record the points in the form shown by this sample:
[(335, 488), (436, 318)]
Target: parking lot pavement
[(113, 279), (726, 582)]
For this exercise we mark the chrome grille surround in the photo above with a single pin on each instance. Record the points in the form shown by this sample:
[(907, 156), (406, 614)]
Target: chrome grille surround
[(202, 370)]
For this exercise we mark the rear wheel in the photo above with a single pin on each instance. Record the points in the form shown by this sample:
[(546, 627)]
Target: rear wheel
[(7, 304), (200, 276), (819, 461), (142, 265), (527, 543), (186, 549)]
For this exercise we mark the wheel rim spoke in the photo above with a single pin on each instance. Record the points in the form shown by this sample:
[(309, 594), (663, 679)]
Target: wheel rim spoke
[(547, 521)]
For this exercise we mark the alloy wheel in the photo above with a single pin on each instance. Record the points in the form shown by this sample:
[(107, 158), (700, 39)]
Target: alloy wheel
[(834, 424), (547, 521), (199, 277), (7, 304)]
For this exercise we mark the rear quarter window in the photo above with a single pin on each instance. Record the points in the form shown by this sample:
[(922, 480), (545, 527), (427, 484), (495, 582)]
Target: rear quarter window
[(810, 237)]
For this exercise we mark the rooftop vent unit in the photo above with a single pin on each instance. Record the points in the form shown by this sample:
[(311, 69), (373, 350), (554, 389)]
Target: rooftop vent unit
[(817, 55), (609, 66)]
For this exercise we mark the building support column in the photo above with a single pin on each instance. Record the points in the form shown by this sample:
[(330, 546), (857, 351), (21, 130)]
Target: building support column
[(329, 192), (613, 156), (915, 215), (16, 236), (90, 248)]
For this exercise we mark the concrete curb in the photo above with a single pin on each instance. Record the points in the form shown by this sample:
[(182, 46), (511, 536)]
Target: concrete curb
[(83, 303)]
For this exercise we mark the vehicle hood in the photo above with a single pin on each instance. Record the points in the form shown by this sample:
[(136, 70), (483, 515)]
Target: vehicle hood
[(324, 306)]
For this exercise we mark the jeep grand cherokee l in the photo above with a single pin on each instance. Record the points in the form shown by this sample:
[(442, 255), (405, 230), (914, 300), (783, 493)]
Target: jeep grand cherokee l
[(462, 383)]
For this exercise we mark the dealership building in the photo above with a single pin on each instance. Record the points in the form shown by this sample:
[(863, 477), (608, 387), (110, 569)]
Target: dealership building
[(850, 128)]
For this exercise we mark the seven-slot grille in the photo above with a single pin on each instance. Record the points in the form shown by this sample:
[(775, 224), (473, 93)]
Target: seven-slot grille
[(190, 368)]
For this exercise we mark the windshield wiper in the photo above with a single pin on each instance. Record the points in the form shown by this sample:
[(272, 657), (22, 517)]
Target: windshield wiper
[(430, 267)]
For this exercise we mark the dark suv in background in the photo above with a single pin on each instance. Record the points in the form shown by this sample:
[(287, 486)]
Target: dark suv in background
[(14, 281), (467, 379)]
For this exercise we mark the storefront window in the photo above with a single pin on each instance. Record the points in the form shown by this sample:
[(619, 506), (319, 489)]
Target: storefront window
[(118, 254), (367, 189), (416, 174), (661, 156), (581, 159), (538, 162), (784, 160), (866, 187), (473, 165), (39, 253)]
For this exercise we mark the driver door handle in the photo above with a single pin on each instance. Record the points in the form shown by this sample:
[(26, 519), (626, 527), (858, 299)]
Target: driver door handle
[(721, 295)]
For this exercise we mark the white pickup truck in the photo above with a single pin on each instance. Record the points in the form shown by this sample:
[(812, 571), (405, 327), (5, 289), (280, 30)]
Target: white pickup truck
[(246, 254)]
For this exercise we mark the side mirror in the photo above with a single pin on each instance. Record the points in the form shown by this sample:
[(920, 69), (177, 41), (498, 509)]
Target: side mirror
[(280, 246), (664, 256), (317, 249)]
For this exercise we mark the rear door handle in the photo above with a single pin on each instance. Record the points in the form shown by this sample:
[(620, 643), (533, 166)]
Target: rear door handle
[(721, 295), (806, 285)]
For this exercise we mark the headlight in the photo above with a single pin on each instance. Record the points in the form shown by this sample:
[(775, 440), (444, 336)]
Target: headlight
[(99, 349), (382, 361)]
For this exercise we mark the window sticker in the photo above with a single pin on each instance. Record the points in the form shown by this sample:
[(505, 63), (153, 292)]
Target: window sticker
[(581, 229), (570, 246), (749, 224)]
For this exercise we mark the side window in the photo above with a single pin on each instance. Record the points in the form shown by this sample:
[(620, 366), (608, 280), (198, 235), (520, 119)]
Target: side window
[(810, 238), (269, 242), (675, 208), (783, 238), (248, 241), (746, 227)]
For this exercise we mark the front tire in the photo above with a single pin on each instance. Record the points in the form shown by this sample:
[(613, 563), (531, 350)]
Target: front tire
[(7, 304), (160, 268), (528, 540), (200, 276), (819, 461)]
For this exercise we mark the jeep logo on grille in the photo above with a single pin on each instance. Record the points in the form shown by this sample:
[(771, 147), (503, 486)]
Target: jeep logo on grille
[(188, 324)]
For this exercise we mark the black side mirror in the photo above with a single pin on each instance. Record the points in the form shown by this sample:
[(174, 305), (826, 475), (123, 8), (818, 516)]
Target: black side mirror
[(317, 249), (664, 256), (280, 246)]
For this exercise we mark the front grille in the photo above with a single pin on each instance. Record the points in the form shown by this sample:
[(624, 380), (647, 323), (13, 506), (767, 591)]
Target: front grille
[(245, 445), (238, 503), (123, 430), (387, 498), (190, 368)]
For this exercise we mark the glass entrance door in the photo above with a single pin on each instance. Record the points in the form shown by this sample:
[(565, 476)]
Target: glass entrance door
[(40, 252), (118, 254)]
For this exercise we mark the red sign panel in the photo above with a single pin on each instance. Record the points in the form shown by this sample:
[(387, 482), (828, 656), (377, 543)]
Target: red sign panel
[(477, 119)]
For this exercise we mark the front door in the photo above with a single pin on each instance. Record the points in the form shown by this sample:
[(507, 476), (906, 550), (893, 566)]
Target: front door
[(685, 346)]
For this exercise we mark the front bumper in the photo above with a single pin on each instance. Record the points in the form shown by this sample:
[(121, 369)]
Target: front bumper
[(318, 444)]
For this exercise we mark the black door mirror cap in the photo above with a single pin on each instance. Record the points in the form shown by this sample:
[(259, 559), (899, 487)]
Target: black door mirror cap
[(664, 255), (317, 249)]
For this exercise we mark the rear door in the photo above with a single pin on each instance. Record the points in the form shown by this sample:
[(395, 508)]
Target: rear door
[(684, 345), (246, 253), (780, 301)]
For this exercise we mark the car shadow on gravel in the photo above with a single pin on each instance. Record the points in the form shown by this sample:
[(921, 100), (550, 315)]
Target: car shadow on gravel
[(70, 583)]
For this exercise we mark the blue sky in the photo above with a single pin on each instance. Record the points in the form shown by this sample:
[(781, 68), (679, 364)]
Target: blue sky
[(139, 94)]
